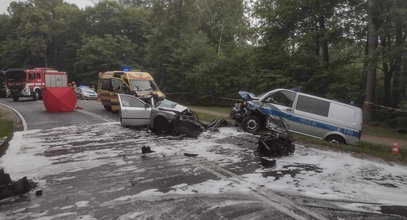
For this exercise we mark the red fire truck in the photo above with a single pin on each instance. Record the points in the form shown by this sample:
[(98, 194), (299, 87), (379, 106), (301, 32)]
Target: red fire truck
[(30, 83)]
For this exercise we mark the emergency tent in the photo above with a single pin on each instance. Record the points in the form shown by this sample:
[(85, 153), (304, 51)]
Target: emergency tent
[(59, 99)]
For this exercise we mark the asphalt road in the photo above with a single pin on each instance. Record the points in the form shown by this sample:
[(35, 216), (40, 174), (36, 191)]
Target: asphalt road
[(36, 116), (89, 167)]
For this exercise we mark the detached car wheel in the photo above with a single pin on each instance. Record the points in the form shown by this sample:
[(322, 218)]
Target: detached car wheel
[(251, 124)]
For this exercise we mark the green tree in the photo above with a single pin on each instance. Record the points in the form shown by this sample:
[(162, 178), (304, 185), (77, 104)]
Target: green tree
[(98, 54)]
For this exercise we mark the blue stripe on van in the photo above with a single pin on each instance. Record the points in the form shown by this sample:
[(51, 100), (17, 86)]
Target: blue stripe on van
[(313, 123)]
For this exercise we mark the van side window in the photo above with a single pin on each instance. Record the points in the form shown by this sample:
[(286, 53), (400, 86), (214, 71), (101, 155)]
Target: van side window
[(312, 105), (106, 84), (284, 98), (116, 85)]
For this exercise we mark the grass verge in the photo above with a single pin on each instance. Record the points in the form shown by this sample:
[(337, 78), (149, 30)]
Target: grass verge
[(376, 150), (209, 117), (225, 110), (383, 131), (6, 127)]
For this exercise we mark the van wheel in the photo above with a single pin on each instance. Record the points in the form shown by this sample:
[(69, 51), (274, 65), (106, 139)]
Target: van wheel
[(15, 98), (335, 139), (251, 124), (161, 126), (107, 108)]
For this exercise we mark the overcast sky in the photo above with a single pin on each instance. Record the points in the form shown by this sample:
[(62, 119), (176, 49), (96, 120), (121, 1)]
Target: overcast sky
[(80, 3)]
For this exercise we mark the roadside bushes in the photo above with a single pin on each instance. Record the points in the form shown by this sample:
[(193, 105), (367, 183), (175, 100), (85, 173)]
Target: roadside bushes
[(390, 118)]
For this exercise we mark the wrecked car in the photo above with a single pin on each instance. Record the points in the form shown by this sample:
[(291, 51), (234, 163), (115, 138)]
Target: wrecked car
[(309, 115), (162, 116), (275, 139)]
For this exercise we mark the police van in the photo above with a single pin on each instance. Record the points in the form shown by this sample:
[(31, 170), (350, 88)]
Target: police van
[(312, 115)]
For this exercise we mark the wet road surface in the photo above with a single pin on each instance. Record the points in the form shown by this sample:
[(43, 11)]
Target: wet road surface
[(89, 170)]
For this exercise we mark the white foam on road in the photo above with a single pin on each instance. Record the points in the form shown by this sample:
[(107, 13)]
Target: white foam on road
[(309, 172)]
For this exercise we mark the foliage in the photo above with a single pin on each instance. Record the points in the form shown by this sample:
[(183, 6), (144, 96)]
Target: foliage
[(211, 49), (6, 127)]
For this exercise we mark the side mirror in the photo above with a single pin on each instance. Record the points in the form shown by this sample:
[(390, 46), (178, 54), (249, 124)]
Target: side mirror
[(146, 106)]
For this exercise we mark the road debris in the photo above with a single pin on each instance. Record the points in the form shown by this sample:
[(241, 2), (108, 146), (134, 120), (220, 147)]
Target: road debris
[(267, 162), (9, 188), (190, 154), (146, 150)]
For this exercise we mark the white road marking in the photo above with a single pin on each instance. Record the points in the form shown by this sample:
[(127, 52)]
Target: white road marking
[(96, 115), (260, 194), (280, 203), (25, 128)]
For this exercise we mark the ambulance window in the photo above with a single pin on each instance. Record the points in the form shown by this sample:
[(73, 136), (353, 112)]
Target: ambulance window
[(31, 76), (106, 84), (116, 85)]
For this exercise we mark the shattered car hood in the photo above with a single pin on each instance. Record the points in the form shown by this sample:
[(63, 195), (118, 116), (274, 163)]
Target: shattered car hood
[(168, 105)]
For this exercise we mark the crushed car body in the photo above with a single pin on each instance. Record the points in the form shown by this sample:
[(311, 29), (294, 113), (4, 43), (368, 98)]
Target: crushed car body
[(162, 116), (307, 114), (275, 139)]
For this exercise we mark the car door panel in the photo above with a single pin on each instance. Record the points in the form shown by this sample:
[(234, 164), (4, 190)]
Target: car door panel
[(283, 101), (133, 111)]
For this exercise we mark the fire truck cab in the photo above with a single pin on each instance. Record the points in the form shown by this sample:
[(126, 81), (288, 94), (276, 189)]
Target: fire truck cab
[(28, 82)]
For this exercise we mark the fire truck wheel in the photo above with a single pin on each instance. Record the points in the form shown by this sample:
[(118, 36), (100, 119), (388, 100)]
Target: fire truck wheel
[(36, 95), (15, 98), (39, 95)]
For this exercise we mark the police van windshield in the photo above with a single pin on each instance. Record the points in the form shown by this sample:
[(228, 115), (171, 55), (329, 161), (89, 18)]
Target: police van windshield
[(16, 76), (143, 85)]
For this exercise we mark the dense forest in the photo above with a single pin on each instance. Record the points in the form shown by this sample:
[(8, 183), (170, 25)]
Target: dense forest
[(348, 50)]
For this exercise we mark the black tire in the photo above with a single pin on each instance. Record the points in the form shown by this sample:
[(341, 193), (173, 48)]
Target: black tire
[(36, 95), (161, 125), (251, 124), (15, 98), (107, 108), (335, 139), (39, 94)]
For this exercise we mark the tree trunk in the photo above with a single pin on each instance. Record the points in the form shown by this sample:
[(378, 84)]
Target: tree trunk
[(324, 41), (388, 73), (397, 85), (368, 105), (220, 38)]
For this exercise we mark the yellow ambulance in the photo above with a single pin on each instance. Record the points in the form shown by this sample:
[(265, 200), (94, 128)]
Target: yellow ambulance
[(111, 83)]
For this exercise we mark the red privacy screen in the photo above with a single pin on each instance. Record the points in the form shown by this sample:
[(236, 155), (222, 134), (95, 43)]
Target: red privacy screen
[(59, 99)]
